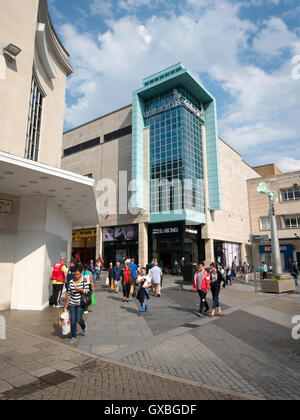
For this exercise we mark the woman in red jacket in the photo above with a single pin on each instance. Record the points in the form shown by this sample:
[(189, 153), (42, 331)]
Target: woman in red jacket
[(201, 285)]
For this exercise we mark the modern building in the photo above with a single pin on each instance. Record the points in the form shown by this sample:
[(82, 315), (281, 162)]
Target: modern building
[(40, 203), (287, 210), (173, 187)]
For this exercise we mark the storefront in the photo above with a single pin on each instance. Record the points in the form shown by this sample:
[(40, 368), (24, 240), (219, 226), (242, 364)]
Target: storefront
[(286, 252), (225, 252), (120, 242), (169, 242), (84, 245)]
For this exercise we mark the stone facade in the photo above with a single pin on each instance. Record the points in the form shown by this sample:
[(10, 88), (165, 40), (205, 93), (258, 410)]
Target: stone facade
[(259, 207), (18, 23)]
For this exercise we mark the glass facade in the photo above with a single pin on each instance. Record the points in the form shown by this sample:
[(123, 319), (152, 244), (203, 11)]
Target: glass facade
[(176, 158)]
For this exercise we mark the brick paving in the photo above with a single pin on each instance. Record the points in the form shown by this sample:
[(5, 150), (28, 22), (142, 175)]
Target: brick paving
[(245, 353)]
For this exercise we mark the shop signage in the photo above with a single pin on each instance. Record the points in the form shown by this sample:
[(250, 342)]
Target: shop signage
[(259, 238), (267, 249), (189, 230), (5, 206), (177, 100), (165, 231)]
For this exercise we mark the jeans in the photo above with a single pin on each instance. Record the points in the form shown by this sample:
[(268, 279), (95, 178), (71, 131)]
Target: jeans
[(126, 290), (76, 313), (296, 280), (203, 302), (97, 273), (144, 306), (215, 296)]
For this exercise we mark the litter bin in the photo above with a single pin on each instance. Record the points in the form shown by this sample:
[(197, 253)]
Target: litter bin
[(188, 273)]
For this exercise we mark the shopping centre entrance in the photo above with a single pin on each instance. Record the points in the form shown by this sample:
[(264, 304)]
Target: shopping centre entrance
[(84, 245)]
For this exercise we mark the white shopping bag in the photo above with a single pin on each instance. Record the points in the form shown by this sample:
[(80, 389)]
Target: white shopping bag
[(107, 281), (65, 323)]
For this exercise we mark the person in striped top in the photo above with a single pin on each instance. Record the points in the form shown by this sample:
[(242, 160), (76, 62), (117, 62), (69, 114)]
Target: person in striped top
[(77, 287)]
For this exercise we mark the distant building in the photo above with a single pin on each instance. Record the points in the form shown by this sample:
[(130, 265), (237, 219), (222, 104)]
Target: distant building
[(39, 202), (287, 210), (169, 133), (267, 170)]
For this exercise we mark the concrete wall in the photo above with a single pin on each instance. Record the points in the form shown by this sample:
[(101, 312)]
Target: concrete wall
[(8, 232), (18, 21), (43, 236), (106, 161), (232, 223)]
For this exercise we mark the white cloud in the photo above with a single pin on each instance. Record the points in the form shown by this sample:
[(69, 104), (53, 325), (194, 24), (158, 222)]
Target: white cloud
[(288, 164), (274, 37), (209, 37)]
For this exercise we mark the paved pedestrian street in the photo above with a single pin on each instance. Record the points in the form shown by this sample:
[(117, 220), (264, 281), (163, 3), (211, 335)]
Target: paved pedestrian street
[(170, 353)]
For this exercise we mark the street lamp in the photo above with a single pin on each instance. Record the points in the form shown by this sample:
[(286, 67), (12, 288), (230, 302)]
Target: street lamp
[(276, 258), (11, 51)]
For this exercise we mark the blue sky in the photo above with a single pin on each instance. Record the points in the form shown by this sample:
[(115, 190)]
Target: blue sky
[(241, 50)]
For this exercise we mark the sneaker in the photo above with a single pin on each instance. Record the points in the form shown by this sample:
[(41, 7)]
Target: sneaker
[(72, 340), (84, 334), (158, 295), (198, 314)]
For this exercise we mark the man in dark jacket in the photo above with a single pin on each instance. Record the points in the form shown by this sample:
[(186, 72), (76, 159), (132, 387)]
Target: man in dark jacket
[(295, 272), (117, 274)]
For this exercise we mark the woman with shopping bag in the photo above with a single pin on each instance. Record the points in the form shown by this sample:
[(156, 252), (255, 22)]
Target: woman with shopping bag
[(77, 288)]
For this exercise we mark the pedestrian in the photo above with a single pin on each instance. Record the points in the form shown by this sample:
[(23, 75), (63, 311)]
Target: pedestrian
[(58, 277), (71, 273), (245, 273), (156, 279), (229, 276), (144, 283), (295, 272), (77, 287), (91, 267), (201, 285), (109, 275), (88, 277), (133, 267), (117, 275), (181, 265), (97, 270), (264, 269), (234, 268), (127, 281), (216, 279)]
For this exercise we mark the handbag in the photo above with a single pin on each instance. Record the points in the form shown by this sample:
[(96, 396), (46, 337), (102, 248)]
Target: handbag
[(85, 299)]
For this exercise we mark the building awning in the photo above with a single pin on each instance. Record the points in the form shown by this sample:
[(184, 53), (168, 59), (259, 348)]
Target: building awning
[(74, 193)]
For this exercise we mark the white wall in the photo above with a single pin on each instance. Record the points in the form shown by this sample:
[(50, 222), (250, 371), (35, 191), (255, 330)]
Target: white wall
[(8, 229), (44, 234)]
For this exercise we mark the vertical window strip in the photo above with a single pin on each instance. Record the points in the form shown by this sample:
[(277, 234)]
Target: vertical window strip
[(34, 122)]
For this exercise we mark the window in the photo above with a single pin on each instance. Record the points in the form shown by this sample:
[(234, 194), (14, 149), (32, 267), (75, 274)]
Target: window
[(290, 194), (292, 222), (82, 146), (118, 133), (34, 122), (265, 223)]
